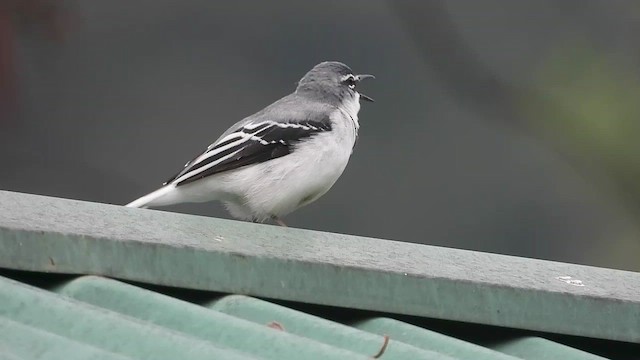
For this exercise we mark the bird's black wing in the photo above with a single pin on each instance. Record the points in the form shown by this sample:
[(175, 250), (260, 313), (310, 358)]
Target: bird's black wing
[(249, 144)]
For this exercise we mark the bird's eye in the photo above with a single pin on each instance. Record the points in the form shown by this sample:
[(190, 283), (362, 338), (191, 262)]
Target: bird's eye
[(351, 82)]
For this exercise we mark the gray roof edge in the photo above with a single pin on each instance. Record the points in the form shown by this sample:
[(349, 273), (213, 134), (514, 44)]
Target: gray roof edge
[(40, 233)]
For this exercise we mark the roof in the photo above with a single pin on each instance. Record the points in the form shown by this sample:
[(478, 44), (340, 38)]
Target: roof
[(169, 286)]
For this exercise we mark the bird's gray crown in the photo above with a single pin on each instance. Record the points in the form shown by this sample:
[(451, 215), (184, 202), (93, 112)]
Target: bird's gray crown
[(330, 80)]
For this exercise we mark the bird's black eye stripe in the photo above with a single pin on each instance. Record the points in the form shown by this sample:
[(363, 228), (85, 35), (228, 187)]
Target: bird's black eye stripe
[(350, 80)]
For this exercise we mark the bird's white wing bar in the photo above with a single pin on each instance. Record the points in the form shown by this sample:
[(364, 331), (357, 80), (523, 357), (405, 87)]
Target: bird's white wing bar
[(250, 144)]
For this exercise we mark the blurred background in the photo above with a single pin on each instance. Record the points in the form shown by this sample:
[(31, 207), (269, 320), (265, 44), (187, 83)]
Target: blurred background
[(499, 126)]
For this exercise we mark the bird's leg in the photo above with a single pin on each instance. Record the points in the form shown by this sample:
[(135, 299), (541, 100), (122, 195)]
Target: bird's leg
[(278, 221)]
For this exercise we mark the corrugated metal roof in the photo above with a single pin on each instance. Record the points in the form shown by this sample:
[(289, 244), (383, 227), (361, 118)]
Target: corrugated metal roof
[(96, 317), (314, 295)]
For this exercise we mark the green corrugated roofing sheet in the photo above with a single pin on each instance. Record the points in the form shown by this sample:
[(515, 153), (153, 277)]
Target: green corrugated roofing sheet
[(311, 295), (97, 317)]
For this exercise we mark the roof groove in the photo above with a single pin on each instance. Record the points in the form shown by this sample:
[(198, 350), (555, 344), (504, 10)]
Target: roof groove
[(317, 328), (197, 321), (99, 327)]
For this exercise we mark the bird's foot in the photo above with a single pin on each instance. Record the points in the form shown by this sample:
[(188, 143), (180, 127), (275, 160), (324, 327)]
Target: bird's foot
[(278, 221)]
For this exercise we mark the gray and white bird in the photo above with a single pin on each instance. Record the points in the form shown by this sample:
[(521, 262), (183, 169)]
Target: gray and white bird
[(279, 159)]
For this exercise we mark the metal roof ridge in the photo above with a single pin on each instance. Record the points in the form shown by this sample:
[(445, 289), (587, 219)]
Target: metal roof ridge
[(42, 233)]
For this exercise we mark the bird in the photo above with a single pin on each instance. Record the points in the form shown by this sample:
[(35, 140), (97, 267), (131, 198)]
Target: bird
[(279, 159)]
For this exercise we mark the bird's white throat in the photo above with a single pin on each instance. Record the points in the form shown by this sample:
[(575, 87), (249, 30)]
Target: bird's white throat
[(352, 107)]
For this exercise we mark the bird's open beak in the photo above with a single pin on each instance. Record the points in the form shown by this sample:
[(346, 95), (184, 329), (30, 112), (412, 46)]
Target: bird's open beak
[(360, 78), (365, 97), (364, 76)]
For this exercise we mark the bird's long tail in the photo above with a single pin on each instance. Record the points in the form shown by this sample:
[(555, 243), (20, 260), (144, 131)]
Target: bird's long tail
[(154, 198)]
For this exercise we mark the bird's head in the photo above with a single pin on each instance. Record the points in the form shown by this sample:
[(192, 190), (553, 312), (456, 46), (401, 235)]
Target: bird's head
[(334, 81)]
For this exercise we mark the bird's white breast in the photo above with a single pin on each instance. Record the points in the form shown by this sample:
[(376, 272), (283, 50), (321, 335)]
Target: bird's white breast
[(279, 186), (301, 177)]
